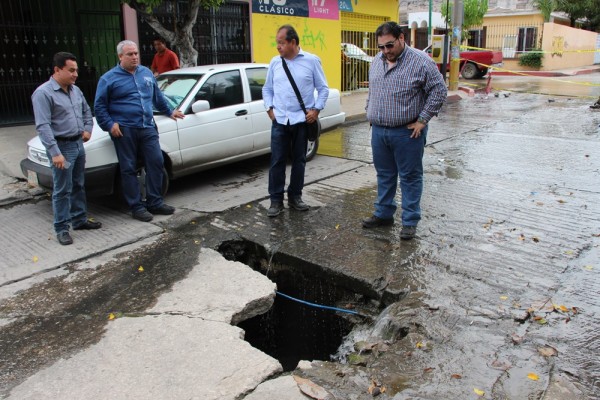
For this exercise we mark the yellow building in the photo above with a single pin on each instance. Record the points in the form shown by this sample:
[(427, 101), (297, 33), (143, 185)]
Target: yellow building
[(322, 26), (517, 32)]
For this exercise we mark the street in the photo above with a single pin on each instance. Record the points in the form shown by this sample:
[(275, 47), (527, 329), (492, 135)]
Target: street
[(497, 298)]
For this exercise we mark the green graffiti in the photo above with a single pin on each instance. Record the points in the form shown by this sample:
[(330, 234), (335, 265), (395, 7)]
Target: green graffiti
[(309, 39)]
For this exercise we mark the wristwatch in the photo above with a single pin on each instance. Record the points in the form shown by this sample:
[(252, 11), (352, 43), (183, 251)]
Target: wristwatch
[(422, 120)]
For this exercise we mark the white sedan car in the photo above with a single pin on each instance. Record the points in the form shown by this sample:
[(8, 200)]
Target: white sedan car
[(225, 121)]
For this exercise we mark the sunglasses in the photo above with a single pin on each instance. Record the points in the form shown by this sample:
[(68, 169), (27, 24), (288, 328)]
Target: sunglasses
[(388, 45)]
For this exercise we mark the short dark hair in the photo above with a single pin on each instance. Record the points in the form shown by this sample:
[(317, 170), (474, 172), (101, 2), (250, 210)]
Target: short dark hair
[(390, 28), (159, 39), (60, 59), (290, 34)]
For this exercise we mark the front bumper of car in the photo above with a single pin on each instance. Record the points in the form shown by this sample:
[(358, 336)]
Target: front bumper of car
[(99, 181)]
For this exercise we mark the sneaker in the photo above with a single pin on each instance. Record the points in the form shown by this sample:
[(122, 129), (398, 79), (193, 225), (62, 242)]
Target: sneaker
[(89, 224), (64, 238), (275, 208), (162, 210), (408, 232), (374, 222), (142, 215), (297, 204)]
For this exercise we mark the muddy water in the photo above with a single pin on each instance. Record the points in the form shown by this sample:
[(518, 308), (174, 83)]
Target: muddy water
[(509, 235)]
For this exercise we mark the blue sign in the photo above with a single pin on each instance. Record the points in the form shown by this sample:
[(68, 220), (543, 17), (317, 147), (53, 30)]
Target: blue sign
[(290, 8), (346, 5)]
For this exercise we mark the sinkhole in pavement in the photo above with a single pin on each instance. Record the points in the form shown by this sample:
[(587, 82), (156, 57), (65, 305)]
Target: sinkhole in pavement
[(292, 331)]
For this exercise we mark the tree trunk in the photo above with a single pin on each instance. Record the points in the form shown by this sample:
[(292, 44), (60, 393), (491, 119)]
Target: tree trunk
[(182, 37)]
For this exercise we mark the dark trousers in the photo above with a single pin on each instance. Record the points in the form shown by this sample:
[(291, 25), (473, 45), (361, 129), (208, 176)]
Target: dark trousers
[(136, 143), (286, 138)]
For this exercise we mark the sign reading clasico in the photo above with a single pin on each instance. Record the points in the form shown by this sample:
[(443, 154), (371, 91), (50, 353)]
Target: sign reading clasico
[(323, 9)]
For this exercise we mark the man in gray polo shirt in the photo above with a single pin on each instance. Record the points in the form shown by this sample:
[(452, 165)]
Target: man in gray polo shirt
[(63, 120)]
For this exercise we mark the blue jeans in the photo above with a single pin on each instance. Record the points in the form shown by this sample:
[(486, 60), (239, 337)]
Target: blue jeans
[(142, 143), (284, 138), (396, 155), (68, 193)]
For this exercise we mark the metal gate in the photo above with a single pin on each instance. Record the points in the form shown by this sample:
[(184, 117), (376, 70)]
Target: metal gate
[(359, 45), (32, 31), (220, 35)]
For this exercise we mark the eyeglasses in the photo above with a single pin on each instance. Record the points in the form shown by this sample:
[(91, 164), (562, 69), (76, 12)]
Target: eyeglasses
[(388, 45)]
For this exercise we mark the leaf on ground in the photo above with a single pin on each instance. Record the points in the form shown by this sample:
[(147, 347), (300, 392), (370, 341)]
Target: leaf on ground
[(533, 376), (196, 241), (35, 259), (575, 310), (428, 369), (420, 345), (111, 316), (140, 269), (548, 351), (337, 226), (535, 239), (248, 205), (516, 338), (521, 237), (311, 389), (479, 392), (503, 297), (569, 252), (456, 376), (539, 203), (542, 321), (588, 267), (501, 365), (561, 201), (562, 308), (193, 222)]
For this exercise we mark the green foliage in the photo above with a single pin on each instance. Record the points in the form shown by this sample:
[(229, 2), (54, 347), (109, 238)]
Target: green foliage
[(578, 9), (546, 7), (474, 10), (532, 58)]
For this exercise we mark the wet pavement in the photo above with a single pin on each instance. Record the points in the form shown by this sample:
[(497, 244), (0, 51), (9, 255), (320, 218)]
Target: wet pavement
[(497, 297)]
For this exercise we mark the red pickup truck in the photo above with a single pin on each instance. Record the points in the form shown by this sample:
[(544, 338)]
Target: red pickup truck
[(474, 64)]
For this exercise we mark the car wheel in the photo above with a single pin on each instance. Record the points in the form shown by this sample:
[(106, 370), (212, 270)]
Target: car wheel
[(470, 71), (141, 176), (482, 73), (311, 149)]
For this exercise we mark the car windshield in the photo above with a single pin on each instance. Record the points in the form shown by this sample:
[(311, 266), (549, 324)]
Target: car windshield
[(176, 87), (353, 50)]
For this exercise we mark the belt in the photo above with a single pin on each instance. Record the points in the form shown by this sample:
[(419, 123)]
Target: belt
[(68, 138)]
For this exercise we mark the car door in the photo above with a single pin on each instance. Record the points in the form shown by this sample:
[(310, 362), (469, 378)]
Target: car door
[(222, 132), (261, 123)]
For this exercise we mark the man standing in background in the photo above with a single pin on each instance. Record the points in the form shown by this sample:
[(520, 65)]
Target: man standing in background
[(406, 90), (125, 98), (63, 120), (288, 130), (164, 60)]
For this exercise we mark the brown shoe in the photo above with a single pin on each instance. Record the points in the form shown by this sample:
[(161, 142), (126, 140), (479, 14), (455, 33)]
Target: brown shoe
[(408, 232)]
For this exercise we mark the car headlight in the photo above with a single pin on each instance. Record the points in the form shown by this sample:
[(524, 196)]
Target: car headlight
[(38, 156)]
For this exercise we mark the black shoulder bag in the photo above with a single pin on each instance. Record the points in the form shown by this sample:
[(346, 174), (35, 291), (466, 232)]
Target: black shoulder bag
[(312, 130)]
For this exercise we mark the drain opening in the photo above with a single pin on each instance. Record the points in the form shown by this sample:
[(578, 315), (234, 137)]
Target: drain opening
[(291, 331)]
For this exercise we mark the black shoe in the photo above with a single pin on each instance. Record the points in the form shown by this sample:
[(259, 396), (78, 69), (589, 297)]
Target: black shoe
[(275, 208), (162, 210), (142, 215), (297, 204), (374, 222), (64, 238), (408, 232), (89, 224)]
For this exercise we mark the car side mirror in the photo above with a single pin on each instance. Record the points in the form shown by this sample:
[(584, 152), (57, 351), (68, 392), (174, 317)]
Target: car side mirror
[(200, 105)]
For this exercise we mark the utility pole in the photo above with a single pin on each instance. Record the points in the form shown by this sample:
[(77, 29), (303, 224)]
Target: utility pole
[(457, 21), (429, 41)]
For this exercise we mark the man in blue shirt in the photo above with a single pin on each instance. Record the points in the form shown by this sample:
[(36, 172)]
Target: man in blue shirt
[(124, 100), (406, 90), (289, 121), (63, 120)]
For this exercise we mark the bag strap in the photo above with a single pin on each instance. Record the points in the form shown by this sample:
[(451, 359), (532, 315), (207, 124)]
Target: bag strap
[(289, 75)]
